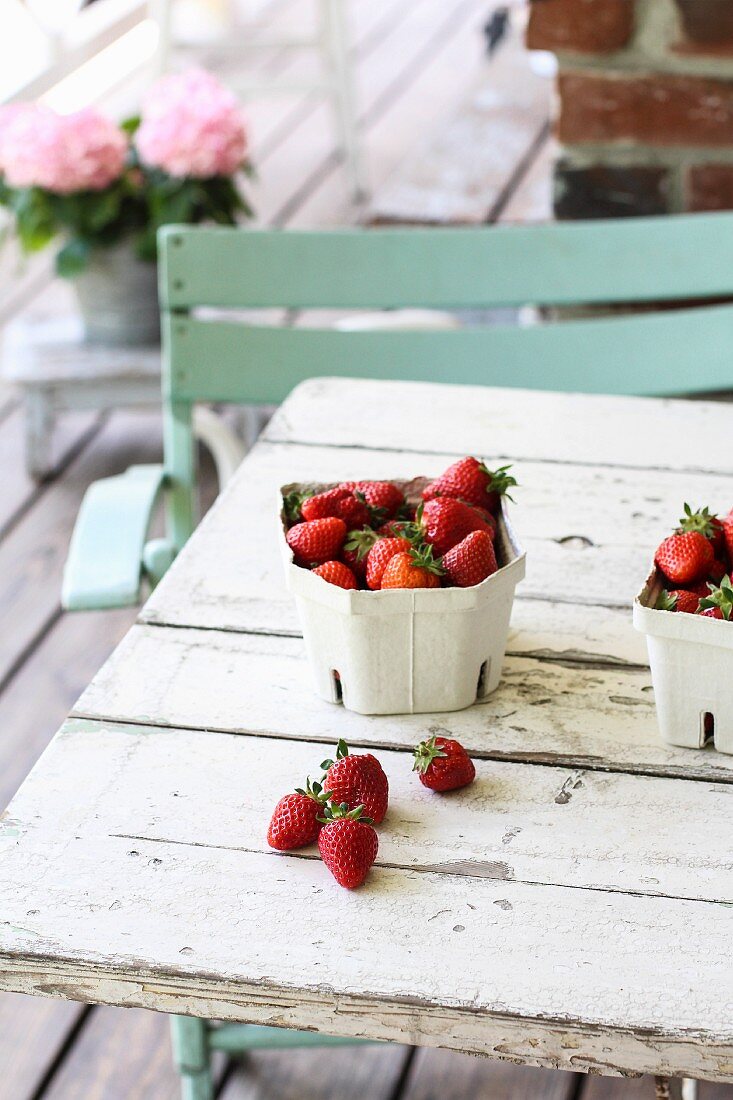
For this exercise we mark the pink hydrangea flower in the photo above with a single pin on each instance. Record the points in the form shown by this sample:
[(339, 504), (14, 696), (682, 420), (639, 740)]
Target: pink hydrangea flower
[(192, 126), (62, 153)]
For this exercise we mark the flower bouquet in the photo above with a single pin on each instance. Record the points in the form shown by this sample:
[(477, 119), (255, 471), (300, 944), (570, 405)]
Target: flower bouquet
[(105, 189)]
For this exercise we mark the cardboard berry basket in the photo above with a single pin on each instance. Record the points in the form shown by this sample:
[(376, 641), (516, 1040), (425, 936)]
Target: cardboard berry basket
[(405, 651), (691, 659)]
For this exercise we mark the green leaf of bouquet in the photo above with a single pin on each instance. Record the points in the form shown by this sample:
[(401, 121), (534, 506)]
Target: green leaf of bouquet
[(129, 125), (73, 258), (102, 208)]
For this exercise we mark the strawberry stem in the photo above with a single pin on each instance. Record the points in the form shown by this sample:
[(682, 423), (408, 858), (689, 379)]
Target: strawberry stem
[(425, 753)]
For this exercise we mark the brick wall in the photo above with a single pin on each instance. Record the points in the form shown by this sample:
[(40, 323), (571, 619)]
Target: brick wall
[(645, 104)]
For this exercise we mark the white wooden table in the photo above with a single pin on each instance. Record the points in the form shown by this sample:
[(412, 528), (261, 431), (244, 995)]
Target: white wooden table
[(572, 908)]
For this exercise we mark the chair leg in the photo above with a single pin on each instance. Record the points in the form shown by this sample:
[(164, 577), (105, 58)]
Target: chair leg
[(39, 422), (192, 1055), (336, 50)]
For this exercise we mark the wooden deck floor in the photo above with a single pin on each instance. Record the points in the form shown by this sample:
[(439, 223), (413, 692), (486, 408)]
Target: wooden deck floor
[(415, 61)]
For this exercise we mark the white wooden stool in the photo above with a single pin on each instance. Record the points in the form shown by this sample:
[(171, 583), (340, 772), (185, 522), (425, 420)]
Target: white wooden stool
[(58, 372)]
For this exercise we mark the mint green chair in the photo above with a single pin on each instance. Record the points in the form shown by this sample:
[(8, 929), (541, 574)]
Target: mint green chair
[(214, 359), (682, 258)]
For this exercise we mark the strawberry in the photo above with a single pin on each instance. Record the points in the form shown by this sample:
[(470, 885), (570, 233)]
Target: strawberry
[(685, 557), (335, 572), (727, 524), (384, 499), (471, 561), (446, 522), (443, 764), (717, 570), (470, 480), (380, 556), (718, 604), (317, 541), (356, 550), (707, 524), (342, 502), (357, 781), (416, 569), (348, 845), (294, 822), (680, 599)]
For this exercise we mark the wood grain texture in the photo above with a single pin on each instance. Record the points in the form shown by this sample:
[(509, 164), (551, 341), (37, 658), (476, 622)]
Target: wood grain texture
[(551, 826), (31, 1033), (458, 175), (33, 553), (119, 1053), (544, 711), (146, 930), (650, 433)]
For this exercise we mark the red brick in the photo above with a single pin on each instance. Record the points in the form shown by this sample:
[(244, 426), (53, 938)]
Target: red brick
[(655, 110), (710, 187), (609, 191), (707, 24), (585, 26)]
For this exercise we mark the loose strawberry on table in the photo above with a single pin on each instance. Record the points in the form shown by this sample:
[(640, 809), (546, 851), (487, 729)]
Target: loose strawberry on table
[(294, 822), (316, 541), (442, 764), (357, 780), (348, 844)]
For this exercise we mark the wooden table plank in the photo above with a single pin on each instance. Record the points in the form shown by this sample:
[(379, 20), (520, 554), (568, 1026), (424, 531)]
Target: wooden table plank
[(589, 530), (546, 974), (517, 823), (557, 946), (544, 711), (530, 425)]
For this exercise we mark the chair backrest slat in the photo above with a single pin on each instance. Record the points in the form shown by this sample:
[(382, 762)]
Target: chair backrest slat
[(634, 260), (220, 361), (625, 260)]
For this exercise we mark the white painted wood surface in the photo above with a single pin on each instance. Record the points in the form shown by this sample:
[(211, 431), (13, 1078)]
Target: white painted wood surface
[(649, 433), (549, 711), (167, 919), (547, 825), (576, 899)]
